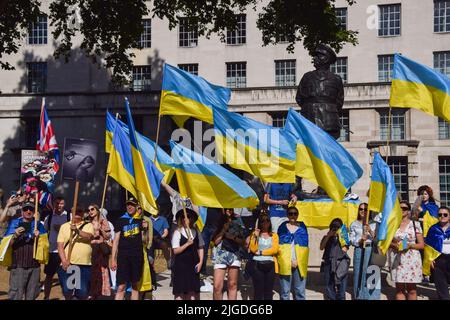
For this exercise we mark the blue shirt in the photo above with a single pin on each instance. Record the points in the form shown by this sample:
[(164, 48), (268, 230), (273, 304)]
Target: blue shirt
[(159, 224), (279, 191)]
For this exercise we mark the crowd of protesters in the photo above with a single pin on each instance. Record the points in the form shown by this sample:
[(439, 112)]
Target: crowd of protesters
[(269, 244)]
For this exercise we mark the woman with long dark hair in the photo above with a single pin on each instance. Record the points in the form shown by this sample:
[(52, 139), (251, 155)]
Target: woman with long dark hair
[(264, 246)]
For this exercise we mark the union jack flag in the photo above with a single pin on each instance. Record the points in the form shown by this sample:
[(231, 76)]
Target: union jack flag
[(46, 137)]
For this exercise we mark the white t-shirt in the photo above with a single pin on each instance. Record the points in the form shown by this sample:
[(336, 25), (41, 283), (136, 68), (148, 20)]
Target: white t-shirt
[(176, 237), (446, 246), (57, 221), (243, 212)]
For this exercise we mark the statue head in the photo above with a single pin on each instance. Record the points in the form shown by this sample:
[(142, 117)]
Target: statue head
[(323, 57)]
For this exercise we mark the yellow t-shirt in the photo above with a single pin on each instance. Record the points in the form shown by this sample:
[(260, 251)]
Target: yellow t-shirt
[(82, 250)]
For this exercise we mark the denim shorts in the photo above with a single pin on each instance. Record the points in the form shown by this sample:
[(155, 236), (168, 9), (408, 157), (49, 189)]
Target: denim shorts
[(80, 290)]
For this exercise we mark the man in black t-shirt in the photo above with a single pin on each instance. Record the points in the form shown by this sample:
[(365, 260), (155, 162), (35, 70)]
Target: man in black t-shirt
[(127, 252)]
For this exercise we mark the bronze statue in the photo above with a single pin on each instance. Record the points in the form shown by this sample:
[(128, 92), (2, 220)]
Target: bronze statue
[(320, 93)]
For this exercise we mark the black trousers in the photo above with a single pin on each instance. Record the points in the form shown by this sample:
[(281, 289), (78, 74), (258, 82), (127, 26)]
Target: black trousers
[(441, 274), (263, 280)]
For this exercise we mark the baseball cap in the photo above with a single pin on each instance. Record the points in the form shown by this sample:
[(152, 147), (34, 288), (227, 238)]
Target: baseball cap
[(132, 200), (28, 205)]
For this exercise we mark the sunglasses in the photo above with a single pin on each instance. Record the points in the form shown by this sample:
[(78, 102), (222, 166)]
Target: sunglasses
[(404, 208), (445, 215), (27, 209), (362, 209), (292, 213), (91, 209)]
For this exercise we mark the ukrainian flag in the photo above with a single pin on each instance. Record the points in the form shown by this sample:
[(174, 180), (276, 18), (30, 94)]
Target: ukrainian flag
[(417, 86), (185, 95), (320, 158), (383, 198), (342, 234), (147, 177), (207, 183), (284, 258), (430, 217), (202, 214), (433, 246), (259, 149), (163, 162)]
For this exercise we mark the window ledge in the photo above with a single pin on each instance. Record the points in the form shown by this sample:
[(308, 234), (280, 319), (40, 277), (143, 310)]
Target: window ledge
[(377, 143)]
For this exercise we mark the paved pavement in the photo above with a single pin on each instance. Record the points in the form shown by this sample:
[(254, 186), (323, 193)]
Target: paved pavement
[(314, 288)]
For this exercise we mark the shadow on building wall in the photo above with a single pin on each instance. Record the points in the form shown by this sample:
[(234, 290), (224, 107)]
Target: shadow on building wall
[(77, 96)]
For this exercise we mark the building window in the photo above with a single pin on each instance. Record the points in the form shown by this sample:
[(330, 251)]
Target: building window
[(279, 119), (441, 15), (344, 120), (30, 132), (188, 34), (146, 37), (444, 129), (389, 20), (399, 169), (442, 62), (398, 125), (285, 73), (236, 74), (37, 31), (341, 15), (37, 77), (189, 67), (340, 67), (385, 68), (444, 180), (142, 76), (239, 35)]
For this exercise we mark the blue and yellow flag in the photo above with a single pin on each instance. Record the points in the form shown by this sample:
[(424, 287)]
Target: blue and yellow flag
[(163, 162), (430, 217), (301, 243), (185, 95), (433, 246), (146, 176), (383, 198), (417, 86), (202, 214), (257, 148), (320, 158), (207, 183), (318, 213), (120, 165), (342, 234)]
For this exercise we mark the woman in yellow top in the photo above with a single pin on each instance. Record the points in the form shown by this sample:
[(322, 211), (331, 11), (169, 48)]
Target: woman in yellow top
[(264, 246)]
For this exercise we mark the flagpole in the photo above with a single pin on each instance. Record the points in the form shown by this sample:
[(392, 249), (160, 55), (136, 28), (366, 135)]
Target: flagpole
[(107, 173), (36, 220), (74, 209)]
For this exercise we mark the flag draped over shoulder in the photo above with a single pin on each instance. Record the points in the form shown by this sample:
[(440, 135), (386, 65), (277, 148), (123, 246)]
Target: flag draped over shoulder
[(383, 198), (417, 86), (207, 183), (430, 217), (147, 177), (433, 246), (257, 148), (46, 137), (185, 95), (320, 158), (163, 161)]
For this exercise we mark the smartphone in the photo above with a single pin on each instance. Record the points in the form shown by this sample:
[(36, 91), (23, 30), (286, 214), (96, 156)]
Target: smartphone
[(26, 226)]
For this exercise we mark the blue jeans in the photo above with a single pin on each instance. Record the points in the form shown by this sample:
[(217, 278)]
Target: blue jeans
[(82, 292), (360, 289), (297, 281), (333, 291)]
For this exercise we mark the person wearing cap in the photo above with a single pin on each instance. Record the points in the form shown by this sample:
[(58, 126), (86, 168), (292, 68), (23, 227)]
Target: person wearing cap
[(320, 93), (24, 270), (187, 245), (80, 255), (127, 251), (12, 210)]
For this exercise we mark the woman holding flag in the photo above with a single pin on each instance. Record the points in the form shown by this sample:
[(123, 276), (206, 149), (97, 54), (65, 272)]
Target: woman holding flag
[(404, 255), (438, 238)]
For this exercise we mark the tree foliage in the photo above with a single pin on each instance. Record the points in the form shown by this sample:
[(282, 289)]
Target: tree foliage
[(110, 29)]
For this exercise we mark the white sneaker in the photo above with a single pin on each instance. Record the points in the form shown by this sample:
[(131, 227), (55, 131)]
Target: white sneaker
[(207, 286)]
